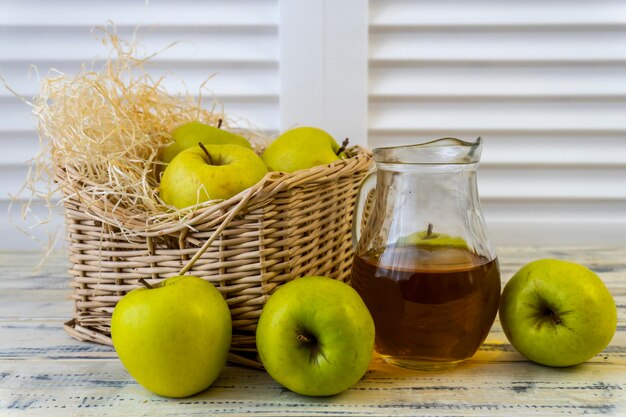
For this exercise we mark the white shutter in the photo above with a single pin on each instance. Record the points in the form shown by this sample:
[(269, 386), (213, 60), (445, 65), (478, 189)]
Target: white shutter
[(237, 39), (543, 82), (323, 66)]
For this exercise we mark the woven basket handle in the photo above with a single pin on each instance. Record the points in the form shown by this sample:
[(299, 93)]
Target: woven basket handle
[(235, 210)]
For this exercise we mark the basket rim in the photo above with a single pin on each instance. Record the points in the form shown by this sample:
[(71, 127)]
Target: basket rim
[(209, 213)]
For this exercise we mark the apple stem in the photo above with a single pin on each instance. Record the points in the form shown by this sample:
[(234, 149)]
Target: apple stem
[(206, 152), (343, 147), (429, 231), (145, 284), (311, 343), (219, 123)]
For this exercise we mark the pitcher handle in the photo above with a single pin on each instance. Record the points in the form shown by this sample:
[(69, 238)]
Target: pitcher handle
[(368, 184)]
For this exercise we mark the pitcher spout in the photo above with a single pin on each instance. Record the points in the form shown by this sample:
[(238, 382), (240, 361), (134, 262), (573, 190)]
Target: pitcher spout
[(438, 151)]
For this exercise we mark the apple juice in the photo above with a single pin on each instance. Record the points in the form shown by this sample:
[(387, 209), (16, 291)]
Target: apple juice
[(432, 306)]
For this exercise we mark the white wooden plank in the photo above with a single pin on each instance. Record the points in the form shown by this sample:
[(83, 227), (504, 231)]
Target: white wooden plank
[(536, 231), (406, 82), (515, 389), (548, 222), (178, 77), (20, 272), (41, 305), (261, 112), (155, 12), (45, 372), (609, 211), (45, 340), (549, 182), (394, 13), (504, 114), (506, 44), (24, 44)]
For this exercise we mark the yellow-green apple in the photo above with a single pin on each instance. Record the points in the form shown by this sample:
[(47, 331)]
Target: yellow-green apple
[(302, 148), (557, 313), (427, 238), (315, 336), (173, 338), (211, 172), (192, 133)]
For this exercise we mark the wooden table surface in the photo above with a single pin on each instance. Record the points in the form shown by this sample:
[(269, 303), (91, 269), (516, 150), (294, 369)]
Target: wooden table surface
[(45, 372)]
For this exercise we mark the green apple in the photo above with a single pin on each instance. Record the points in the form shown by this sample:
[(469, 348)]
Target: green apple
[(428, 239), (557, 313), (302, 148), (192, 133), (315, 336), (211, 172), (174, 337)]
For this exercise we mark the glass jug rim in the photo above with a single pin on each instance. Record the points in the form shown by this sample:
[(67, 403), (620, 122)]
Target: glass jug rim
[(438, 151)]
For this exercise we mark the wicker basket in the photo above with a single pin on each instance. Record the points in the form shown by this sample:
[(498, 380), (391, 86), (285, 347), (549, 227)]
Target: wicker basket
[(286, 226)]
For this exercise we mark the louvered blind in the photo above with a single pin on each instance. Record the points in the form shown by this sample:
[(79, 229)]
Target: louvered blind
[(543, 82), (235, 39)]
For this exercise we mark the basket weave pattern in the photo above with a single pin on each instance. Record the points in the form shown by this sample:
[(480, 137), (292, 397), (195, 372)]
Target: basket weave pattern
[(286, 226)]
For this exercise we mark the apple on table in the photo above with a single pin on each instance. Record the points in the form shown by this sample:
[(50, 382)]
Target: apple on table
[(315, 336), (173, 338), (557, 313)]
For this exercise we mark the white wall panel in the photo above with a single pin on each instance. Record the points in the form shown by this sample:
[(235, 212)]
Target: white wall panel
[(543, 82), (80, 44), (546, 81), (498, 114), (501, 44), (234, 42), (498, 13), (182, 13), (323, 66)]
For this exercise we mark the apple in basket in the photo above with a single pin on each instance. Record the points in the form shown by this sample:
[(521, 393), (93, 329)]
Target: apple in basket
[(315, 336), (192, 133), (173, 338), (302, 148), (211, 172), (557, 313)]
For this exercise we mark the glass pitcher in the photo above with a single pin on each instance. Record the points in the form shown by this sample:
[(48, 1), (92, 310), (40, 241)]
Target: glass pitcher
[(424, 264)]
